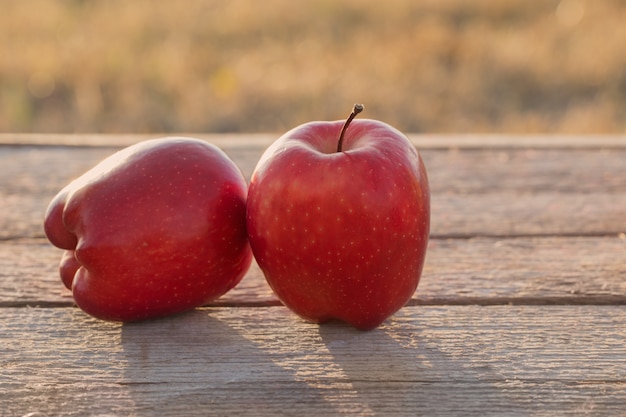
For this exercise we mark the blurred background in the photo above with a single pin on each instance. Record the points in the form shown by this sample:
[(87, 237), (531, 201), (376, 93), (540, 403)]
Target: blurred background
[(436, 66)]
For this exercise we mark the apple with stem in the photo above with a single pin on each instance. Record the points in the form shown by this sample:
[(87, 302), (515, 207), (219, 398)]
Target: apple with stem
[(338, 219), (156, 229)]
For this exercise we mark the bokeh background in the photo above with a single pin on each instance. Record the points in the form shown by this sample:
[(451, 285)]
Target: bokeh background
[(437, 66)]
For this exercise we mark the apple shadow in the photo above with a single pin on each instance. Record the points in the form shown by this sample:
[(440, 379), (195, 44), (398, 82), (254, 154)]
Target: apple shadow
[(396, 371), (197, 361)]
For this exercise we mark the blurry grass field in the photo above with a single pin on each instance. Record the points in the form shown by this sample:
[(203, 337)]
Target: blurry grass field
[(458, 66)]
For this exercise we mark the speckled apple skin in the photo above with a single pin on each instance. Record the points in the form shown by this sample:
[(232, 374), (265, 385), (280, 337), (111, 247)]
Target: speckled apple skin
[(341, 235), (156, 229)]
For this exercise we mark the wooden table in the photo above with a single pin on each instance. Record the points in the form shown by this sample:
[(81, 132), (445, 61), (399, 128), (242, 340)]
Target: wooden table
[(520, 311)]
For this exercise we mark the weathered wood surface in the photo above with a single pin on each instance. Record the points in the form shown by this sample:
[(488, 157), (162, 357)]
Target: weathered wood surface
[(431, 361), (497, 192), (529, 270), (520, 311)]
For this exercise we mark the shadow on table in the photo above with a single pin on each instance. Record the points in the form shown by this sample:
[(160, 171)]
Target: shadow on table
[(198, 362), (398, 370), (231, 362)]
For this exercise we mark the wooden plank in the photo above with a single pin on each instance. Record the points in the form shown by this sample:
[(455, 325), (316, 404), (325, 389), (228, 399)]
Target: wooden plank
[(431, 141), (458, 271), (496, 214), (504, 360), (540, 214), (511, 270), (525, 171), (37, 170), (519, 192)]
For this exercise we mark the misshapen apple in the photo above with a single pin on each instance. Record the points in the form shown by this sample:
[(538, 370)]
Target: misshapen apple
[(338, 219), (156, 229)]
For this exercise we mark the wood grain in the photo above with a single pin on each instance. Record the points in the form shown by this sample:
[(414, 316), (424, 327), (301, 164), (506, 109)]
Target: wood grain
[(476, 193), (45, 170), (431, 361), (496, 214), (458, 271), (520, 311)]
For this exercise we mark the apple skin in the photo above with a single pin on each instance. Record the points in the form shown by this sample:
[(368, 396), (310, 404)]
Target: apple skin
[(341, 235), (156, 229)]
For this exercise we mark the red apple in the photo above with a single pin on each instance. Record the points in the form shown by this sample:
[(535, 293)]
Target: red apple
[(338, 220), (155, 229)]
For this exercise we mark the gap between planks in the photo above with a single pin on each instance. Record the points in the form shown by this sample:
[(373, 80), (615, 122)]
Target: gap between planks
[(589, 300)]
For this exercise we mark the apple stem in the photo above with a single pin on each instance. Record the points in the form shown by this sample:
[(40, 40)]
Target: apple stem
[(358, 108)]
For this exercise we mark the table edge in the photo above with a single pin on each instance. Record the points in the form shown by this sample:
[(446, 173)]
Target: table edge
[(236, 140)]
